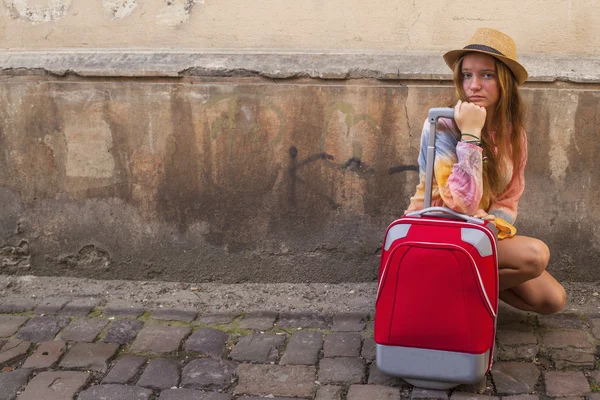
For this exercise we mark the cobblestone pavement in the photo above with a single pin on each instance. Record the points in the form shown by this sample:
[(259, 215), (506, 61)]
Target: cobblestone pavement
[(81, 349)]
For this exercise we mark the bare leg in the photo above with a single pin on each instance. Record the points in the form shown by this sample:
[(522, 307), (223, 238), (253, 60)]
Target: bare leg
[(524, 281)]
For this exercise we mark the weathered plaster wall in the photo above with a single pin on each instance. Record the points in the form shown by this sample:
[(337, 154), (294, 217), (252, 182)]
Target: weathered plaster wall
[(249, 179), (545, 27)]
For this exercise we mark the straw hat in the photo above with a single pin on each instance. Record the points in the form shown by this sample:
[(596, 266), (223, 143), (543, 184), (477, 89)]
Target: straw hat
[(496, 44)]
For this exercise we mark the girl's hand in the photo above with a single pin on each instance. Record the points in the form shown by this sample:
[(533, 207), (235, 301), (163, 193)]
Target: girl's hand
[(469, 118), (485, 216)]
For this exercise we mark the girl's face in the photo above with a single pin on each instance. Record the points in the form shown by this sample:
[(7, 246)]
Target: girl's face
[(480, 80)]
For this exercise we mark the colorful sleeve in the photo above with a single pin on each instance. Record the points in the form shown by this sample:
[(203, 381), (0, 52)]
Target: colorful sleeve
[(457, 170), (506, 205)]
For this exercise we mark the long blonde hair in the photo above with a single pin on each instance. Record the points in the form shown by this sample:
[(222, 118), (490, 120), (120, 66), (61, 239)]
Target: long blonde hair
[(508, 126)]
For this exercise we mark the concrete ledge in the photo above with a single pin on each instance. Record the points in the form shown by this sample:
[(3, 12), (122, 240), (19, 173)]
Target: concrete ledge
[(275, 65)]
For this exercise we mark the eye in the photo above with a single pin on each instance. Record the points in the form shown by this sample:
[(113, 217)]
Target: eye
[(467, 75), (488, 75)]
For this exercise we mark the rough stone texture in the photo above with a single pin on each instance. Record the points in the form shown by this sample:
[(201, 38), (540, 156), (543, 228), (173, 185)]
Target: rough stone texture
[(160, 339), (208, 374), (516, 335), (59, 385), (42, 329), (12, 349), (9, 307), (595, 324), (521, 397), (526, 352), (122, 310), (12, 382), (217, 319), (303, 320), (121, 392), (276, 380), (46, 355), (344, 370), (470, 396), (478, 387), (515, 377), (329, 392), (418, 393), (559, 339), (342, 345), (160, 374), (207, 341), (349, 322), (260, 348), (303, 348), (124, 369), (376, 377), (374, 392), (50, 306), (259, 321), (123, 331), (190, 394), (561, 384), (561, 321), (83, 330), (573, 359), (92, 356), (79, 307), (369, 349), (174, 314), (9, 324)]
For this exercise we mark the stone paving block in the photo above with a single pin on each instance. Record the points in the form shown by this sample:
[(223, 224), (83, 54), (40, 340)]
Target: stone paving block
[(12, 382), (123, 331), (208, 374), (419, 393), (376, 377), (372, 392), (472, 396), (573, 359), (329, 392), (13, 349), (259, 321), (595, 375), (79, 307), (561, 321), (303, 348), (516, 335), (191, 394), (16, 306), (595, 324), (521, 397), (55, 385), (303, 320), (349, 322), (344, 344), (50, 306), (269, 397), (369, 350), (174, 314), (46, 355), (42, 329), (562, 384), (559, 339), (160, 374), (515, 377), (344, 370), (218, 319), (207, 341), (259, 348), (593, 396), (83, 330), (125, 369), (478, 387), (160, 338), (122, 310), (511, 316), (9, 324), (93, 356), (276, 380), (526, 352), (114, 392)]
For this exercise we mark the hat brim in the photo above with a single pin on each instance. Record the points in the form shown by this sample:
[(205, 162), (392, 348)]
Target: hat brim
[(517, 69)]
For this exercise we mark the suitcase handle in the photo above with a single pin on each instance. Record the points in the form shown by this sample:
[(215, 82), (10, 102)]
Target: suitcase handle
[(444, 211), (433, 116)]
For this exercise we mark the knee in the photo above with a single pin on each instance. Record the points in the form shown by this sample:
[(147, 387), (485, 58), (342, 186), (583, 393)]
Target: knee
[(536, 259), (554, 302)]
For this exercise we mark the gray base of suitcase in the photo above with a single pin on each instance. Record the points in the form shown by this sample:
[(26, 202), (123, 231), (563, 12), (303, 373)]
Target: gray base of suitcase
[(432, 369)]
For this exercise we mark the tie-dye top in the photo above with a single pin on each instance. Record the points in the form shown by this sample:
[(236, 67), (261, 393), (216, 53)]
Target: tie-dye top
[(457, 182)]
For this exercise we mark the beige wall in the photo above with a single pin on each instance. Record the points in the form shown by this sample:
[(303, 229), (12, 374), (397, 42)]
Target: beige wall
[(539, 26)]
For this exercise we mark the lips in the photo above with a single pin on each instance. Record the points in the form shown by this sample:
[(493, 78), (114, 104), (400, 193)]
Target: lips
[(475, 98)]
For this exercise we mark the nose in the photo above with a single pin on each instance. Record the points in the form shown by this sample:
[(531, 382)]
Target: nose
[(475, 83)]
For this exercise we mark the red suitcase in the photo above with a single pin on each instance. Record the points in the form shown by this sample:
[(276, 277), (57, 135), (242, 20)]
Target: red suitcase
[(437, 299)]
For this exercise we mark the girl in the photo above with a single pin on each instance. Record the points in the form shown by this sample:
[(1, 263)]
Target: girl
[(480, 160)]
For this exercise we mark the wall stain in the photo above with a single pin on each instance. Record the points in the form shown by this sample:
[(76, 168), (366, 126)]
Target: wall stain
[(37, 14)]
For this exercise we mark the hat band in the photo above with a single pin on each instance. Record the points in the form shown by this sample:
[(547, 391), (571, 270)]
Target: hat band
[(483, 47)]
